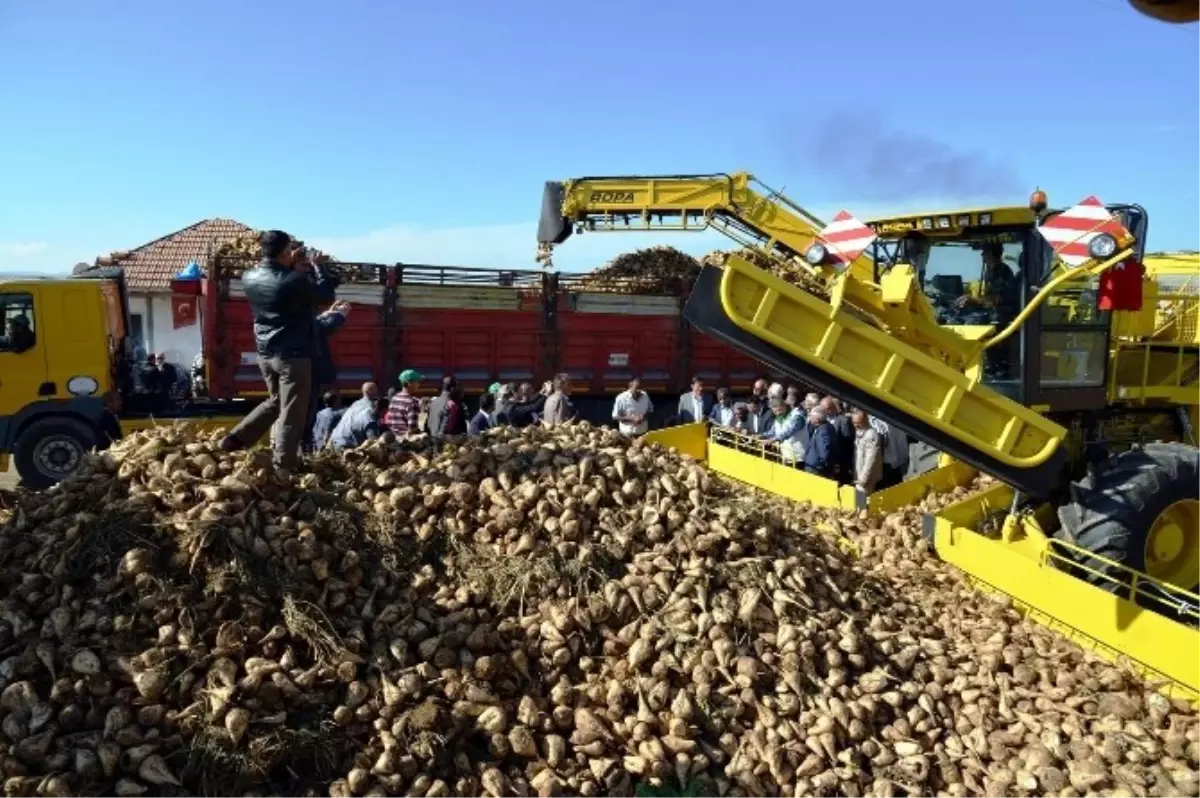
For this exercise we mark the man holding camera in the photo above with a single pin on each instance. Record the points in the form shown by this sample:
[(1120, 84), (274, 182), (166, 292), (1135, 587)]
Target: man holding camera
[(283, 290)]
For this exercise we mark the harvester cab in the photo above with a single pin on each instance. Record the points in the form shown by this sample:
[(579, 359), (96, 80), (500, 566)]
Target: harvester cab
[(980, 333), (981, 267)]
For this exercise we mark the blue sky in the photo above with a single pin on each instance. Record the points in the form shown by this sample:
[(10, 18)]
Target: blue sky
[(422, 132)]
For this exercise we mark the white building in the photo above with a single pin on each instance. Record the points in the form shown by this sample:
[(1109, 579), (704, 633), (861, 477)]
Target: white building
[(149, 270)]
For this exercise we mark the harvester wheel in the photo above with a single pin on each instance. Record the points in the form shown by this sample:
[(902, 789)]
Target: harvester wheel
[(1140, 509)]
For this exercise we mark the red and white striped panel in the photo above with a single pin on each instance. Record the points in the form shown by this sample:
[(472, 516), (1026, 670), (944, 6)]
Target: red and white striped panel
[(846, 237), (1071, 231)]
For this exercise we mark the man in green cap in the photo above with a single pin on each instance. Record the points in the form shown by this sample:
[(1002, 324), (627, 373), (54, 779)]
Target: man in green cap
[(405, 408)]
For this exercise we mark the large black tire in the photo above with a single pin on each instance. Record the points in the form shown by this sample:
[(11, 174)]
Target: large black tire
[(1112, 511), (51, 449)]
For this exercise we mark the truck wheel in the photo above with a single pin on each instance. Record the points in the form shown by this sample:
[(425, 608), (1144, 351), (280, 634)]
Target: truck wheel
[(50, 450), (1141, 509)]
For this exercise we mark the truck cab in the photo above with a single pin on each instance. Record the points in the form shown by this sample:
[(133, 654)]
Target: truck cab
[(61, 357)]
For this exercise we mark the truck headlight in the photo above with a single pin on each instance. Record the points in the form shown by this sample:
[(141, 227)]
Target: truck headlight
[(816, 254), (82, 386), (1102, 246)]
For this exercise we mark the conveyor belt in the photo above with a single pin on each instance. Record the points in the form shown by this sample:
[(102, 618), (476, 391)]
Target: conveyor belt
[(1035, 476)]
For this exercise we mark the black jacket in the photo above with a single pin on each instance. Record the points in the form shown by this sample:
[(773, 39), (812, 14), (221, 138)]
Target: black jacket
[(284, 302), (324, 370), (520, 414), (168, 379), (480, 424), (844, 441)]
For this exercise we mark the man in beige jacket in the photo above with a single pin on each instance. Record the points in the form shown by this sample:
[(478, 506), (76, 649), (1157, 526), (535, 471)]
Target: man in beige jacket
[(868, 457), (558, 409)]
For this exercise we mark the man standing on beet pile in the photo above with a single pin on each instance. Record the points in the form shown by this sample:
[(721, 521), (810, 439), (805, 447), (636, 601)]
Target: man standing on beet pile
[(284, 303)]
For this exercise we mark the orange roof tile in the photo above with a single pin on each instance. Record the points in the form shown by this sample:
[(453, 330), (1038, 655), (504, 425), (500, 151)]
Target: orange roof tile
[(151, 266)]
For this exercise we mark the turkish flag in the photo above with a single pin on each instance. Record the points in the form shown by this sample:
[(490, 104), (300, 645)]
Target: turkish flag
[(183, 310), (1121, 286)]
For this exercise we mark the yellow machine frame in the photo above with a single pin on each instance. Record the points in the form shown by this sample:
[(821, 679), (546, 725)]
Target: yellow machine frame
[(1035, 569)]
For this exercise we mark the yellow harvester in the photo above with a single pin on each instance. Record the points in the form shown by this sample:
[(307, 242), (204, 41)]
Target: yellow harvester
[(1086, 416)]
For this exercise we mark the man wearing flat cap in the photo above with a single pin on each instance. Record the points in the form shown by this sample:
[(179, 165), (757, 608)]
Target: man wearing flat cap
[(283, 300)]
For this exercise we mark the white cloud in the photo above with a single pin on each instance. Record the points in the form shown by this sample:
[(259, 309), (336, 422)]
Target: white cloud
[(499, 246), (513, 246), (57, 259), (16, 250)]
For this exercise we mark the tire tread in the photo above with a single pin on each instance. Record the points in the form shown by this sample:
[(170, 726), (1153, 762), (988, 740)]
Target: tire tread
[(1111, 510)]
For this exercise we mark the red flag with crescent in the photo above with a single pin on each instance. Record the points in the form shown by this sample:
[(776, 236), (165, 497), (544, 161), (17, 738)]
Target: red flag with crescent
[(183, 310)]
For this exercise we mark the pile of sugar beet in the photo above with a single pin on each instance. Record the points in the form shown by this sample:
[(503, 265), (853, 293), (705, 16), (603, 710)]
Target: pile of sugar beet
[(549, 612)]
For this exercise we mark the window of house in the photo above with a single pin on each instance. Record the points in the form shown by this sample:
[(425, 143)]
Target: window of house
[(16, 314), (137, 332)]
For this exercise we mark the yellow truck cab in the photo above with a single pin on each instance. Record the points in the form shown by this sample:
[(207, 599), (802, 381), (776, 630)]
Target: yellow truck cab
[(60, 356), (65, 374)]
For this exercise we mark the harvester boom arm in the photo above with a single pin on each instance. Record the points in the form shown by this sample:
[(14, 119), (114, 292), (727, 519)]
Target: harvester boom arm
[(738, 205)]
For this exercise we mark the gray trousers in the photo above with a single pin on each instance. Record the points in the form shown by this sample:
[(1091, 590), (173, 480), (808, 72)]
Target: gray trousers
[(289, 389)]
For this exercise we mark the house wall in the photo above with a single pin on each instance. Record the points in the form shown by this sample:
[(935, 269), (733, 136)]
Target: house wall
[(158, 330)]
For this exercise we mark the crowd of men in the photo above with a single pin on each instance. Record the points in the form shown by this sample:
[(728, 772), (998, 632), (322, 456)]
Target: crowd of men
[(157, 377), (287, 289), (818, 434), (404, 413), (822, 435), (826, 437)]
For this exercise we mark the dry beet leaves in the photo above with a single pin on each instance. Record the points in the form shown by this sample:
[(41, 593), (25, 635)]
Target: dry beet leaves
[(245, 251), (666, 270), (535, 612)]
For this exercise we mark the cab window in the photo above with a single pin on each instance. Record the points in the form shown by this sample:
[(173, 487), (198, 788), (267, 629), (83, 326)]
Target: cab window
[(1075, 336), (975, 281), (16, 314)]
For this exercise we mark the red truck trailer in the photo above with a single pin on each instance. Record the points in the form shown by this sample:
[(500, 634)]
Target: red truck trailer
[(483, 326)]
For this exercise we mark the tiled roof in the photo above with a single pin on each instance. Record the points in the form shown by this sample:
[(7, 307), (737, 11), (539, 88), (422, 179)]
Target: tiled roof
[(151, 266)]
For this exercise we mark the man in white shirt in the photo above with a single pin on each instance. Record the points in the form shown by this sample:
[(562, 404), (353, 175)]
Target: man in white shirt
[(632, 408)]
